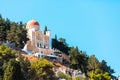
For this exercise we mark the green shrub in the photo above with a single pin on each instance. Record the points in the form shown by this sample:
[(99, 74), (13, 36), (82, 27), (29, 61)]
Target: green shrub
[(64, 76), (79, 78)]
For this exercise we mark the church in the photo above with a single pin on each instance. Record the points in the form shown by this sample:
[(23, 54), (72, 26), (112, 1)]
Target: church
[(38, 41), (40, 44)]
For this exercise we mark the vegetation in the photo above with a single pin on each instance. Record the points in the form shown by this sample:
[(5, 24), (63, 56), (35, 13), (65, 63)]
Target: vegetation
[(6, 53), (45, 29), (98, 75), (9, 67), (87, 64), (64, 76), (13, 66), (13, 71), (60, 45), (93, 63), (42, 70), (80, 78), (78, 60), (12, 32)]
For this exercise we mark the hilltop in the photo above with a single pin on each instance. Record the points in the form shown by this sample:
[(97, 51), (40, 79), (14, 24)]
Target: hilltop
[(18, 65)]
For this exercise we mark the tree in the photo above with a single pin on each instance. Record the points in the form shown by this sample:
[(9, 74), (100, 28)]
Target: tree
[(60, 46), (1, 70), (2, 33), (55, 37), (4, 26), (14, 32), (42, 70), (62, 40), (105, 68), (13, 71), (83, 62), (97, 75), (93, 63), (74, 52), (78, 59), (25, 65), (6, 53), (80, 78), (17, 34), (21, 36), (13, 66), (11, 35), (64, 76), (45, 30)]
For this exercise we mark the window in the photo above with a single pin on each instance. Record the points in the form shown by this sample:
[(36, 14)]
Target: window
[(37, 44), (40, 45), (44, 46)]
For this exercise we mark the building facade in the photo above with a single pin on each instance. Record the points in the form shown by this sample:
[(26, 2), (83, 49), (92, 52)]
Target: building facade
[(36, 37), (38, 41), (39, 44)]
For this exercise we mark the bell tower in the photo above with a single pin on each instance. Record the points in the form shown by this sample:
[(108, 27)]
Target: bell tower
[(48, 33)]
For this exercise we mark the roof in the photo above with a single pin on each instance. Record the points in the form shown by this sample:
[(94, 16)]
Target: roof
[(32, 24)]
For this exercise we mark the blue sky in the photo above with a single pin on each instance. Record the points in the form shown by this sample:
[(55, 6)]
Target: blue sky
[(92, 25)]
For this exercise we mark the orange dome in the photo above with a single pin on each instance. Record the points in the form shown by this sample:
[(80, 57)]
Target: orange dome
[(32, 23)]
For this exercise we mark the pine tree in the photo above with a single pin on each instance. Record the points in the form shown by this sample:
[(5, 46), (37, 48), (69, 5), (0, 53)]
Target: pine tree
[(13, 71), (55, 37), (45, 30), (43, 70), (93, 63)]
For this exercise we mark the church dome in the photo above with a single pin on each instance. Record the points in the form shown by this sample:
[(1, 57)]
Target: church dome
[(33, 24)]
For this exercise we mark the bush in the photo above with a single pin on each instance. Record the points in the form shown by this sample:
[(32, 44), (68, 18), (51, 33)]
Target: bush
[(64, 76), (97, 75), (79, 78), (42, 70)]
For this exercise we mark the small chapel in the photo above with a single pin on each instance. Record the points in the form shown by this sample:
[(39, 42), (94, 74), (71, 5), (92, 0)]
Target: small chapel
[(38, 41), (40, 44)]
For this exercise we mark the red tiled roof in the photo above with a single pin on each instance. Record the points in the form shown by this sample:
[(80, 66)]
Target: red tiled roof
[(29, 47)]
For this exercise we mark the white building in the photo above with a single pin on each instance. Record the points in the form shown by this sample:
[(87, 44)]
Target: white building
[(39, 44)]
